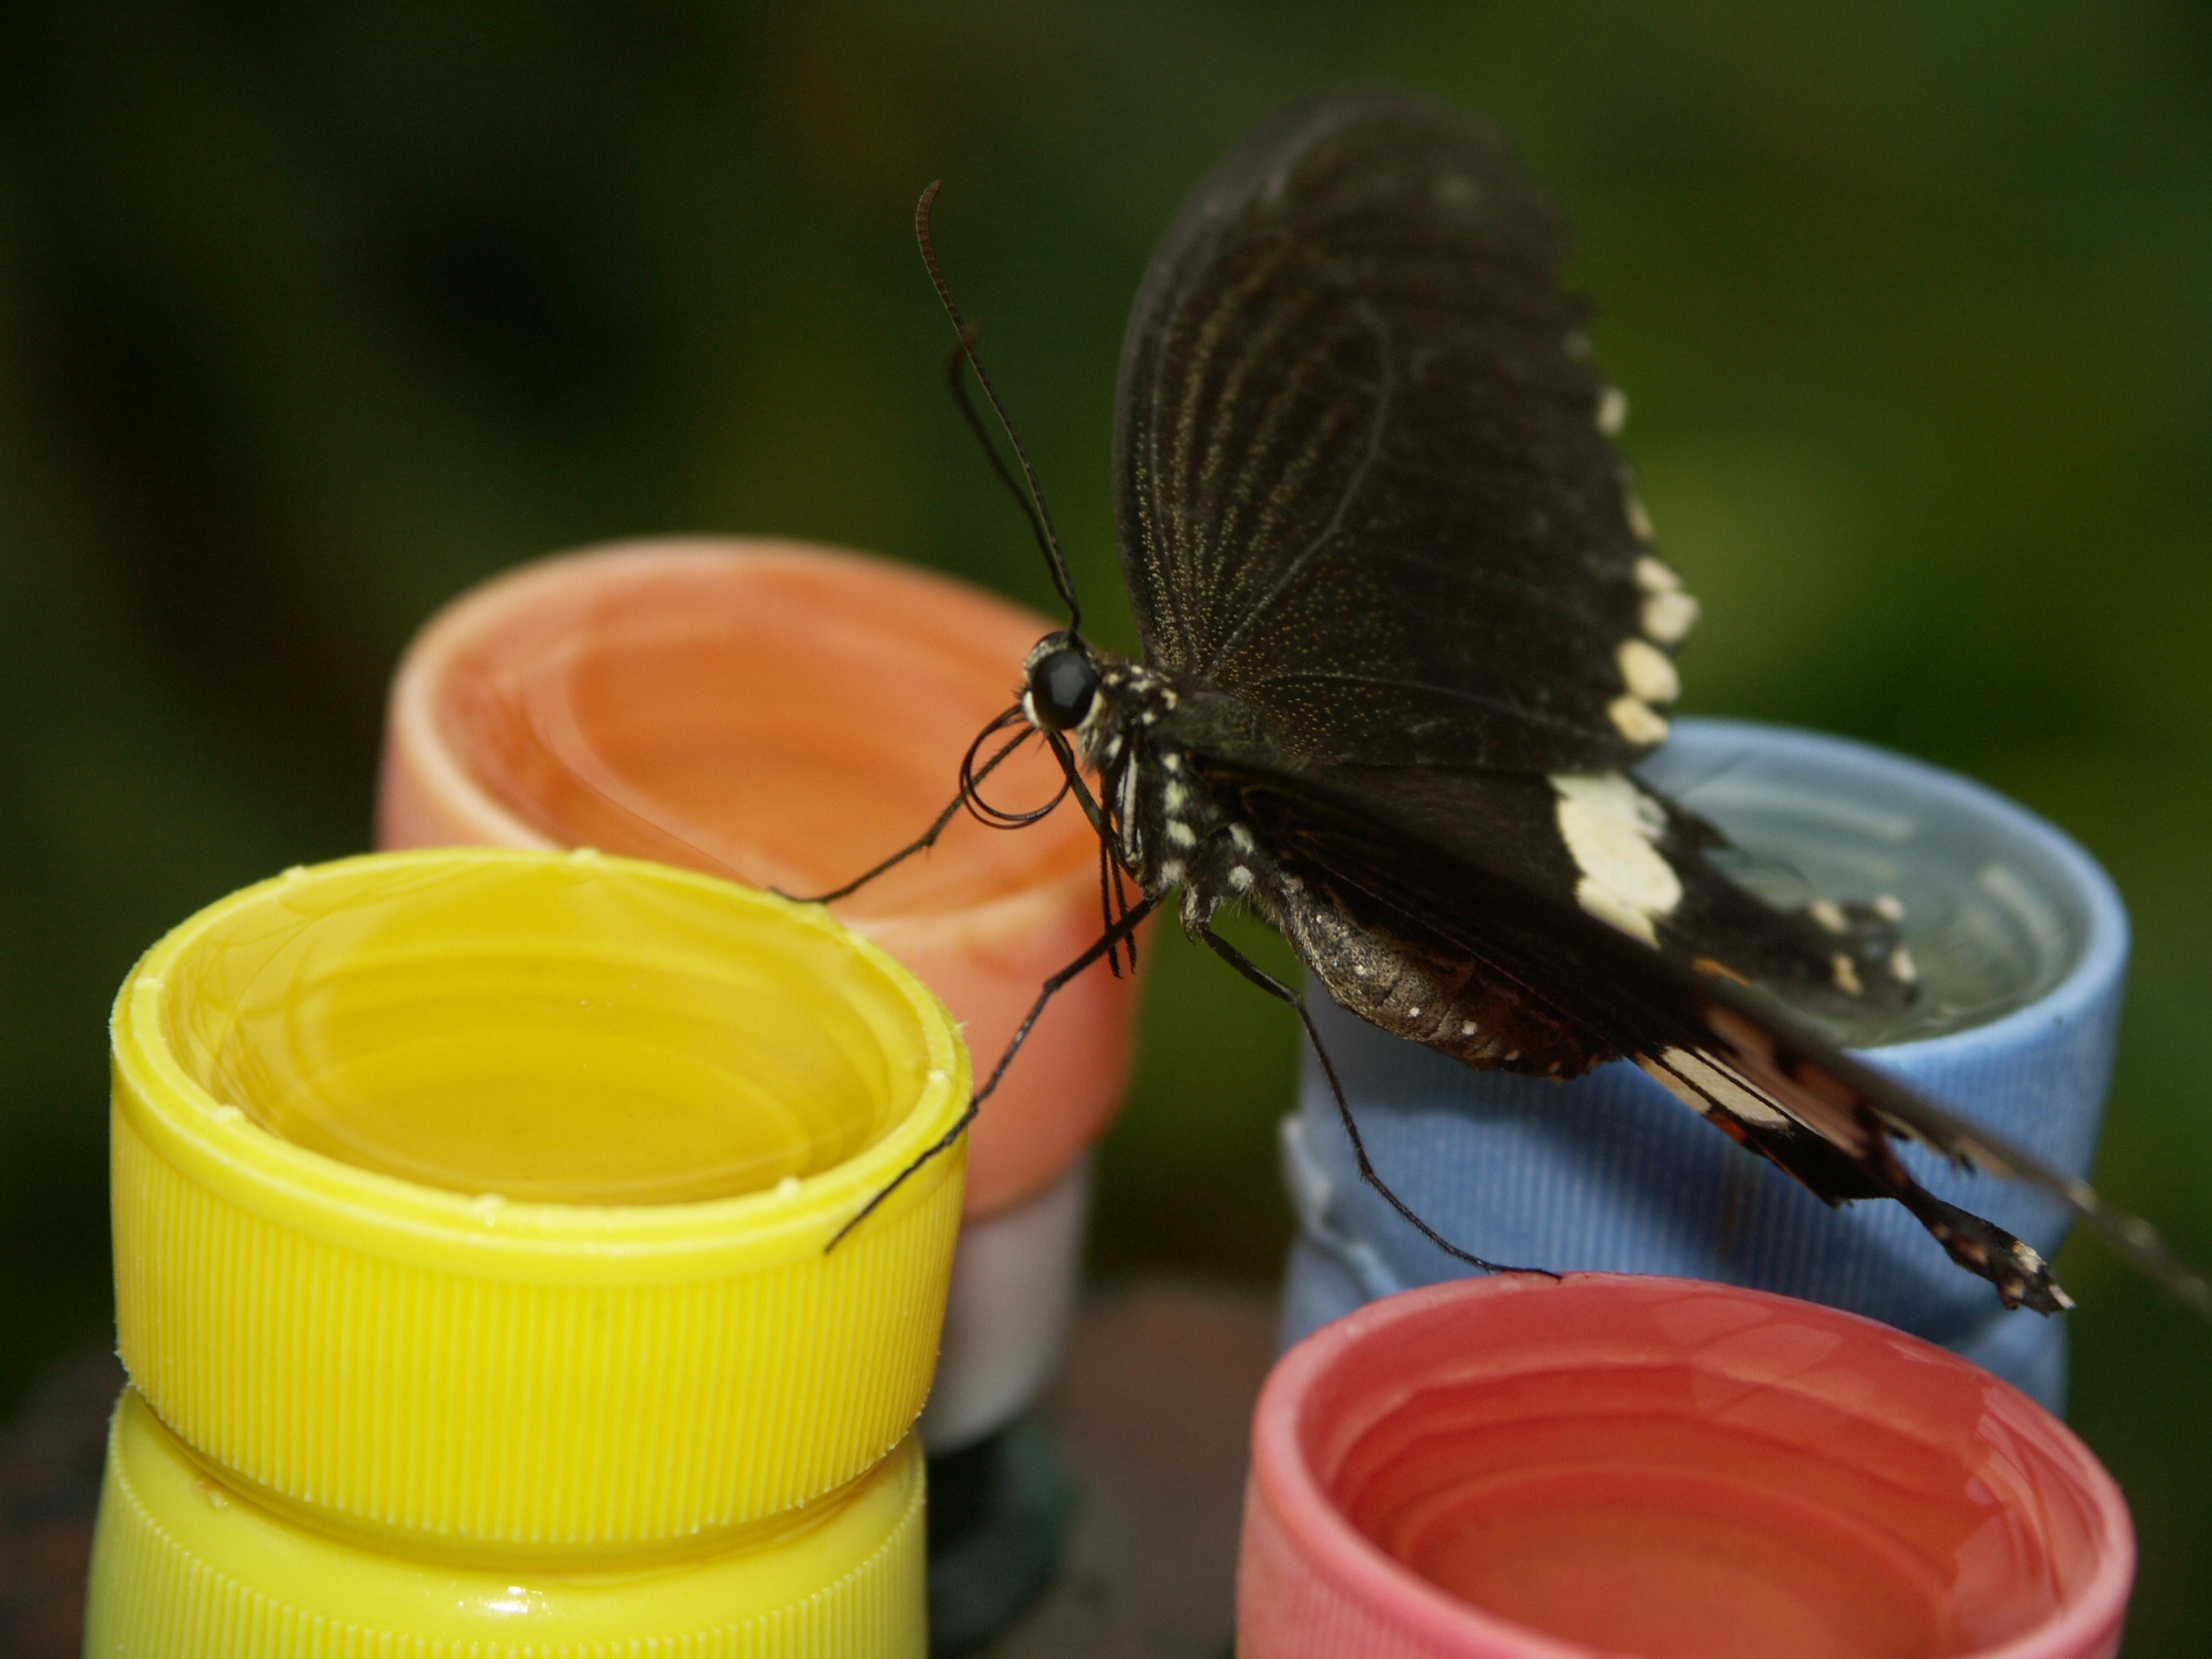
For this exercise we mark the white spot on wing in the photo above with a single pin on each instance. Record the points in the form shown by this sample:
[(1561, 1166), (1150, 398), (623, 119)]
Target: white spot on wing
[(1846, 976), (1613, 411), (1828, 914), (1636, 719), (1647, 672), (1180, 834), (1607, 907), (1902, 969), (1889, 907), (1240, 878), (1610, 827), (1673, 1084), (1639, 521), (1668, 617), (1699, 1085), (1655, 575)]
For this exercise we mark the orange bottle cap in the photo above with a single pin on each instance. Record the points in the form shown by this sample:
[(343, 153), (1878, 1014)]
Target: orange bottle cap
[(786, 715)]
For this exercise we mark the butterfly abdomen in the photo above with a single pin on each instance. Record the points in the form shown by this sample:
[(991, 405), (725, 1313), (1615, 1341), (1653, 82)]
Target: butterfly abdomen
[(1440, 1000)]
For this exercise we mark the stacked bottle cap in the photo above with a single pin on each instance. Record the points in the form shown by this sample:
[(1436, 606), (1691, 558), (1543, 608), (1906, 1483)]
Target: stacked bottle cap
[(471, 1216), (789, 715), (1525, 1468)]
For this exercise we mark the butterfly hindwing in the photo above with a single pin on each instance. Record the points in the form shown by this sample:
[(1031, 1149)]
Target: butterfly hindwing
[(1364, 479), (1724, 1049), (1824, 959)]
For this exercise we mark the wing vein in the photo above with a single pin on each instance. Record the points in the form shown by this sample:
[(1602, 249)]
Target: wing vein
[(1187, 558), (1385, 394), (1261, 448)]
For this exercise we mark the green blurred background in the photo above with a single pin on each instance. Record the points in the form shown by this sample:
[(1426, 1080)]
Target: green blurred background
[(309, 317)]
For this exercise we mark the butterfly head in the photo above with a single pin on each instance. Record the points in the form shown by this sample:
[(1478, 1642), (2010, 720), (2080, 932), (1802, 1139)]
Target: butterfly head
[(1059, 682)]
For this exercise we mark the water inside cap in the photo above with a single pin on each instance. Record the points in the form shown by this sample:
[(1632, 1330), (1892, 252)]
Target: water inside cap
[(570, 1031), (1991, 917)]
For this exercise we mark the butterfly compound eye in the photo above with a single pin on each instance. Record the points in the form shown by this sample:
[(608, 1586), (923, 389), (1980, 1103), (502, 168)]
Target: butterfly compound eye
[(1061, 685)]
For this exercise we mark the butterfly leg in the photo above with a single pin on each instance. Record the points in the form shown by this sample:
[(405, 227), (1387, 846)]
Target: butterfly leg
[(970, 775), (1275, 988), (1112, 939), (1112, 902)]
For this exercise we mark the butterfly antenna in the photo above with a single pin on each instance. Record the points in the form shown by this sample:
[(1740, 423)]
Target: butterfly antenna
[(1032, 499)]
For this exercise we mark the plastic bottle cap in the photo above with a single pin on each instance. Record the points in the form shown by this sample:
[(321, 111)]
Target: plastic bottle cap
[(483, 1195), (183, 1562), (788, 715), (1523, 1468)]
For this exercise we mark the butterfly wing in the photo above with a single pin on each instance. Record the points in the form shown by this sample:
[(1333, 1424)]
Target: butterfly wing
[(1824, 960), (1363, 480), (1725, 1050)]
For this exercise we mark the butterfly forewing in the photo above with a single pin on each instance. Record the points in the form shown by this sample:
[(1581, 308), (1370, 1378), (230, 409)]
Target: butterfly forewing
[(1362, 482)]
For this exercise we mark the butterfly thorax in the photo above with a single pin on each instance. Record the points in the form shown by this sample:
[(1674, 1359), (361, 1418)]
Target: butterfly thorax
[(1175, 816), (1168, 826)]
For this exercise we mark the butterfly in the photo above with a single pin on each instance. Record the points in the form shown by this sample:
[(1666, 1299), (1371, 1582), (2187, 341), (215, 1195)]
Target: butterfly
[(1405, 637)]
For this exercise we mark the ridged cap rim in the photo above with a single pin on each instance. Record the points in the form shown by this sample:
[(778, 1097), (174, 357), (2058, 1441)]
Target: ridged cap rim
[(519, 1374), (183, 1563)]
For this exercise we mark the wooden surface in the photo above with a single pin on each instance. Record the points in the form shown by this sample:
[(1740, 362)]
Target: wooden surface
[(1151, 1410), (50, 1461)]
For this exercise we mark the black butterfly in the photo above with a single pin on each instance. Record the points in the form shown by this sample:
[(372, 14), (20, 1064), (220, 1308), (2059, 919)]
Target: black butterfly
[(1404, 634)]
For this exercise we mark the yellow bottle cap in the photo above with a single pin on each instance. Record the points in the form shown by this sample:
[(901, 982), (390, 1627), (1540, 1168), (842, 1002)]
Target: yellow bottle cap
[(483, 1196), (184, 1563)]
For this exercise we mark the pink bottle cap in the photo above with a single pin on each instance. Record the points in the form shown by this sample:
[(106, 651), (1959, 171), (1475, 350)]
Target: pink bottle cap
[(1522, 1468), (785, 715)]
